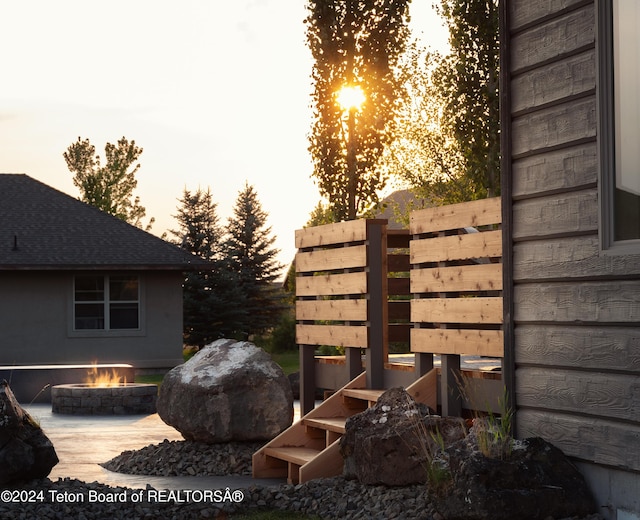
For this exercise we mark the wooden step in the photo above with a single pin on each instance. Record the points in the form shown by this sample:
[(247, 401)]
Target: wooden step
[(331, 424), (364, 394), (296, 454)]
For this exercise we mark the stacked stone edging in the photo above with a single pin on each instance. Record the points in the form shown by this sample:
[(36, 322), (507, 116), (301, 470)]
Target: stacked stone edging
[(125, 399)]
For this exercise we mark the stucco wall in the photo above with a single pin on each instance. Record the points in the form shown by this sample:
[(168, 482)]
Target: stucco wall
[(36, 312)]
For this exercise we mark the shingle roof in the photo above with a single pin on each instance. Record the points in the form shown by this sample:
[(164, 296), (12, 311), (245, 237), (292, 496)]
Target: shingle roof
[(43, 228)]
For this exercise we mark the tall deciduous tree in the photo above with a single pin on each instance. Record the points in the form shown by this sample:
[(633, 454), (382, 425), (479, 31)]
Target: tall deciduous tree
[(253, 258), (468, 80), (354, 43), (213, 303), (448, 148), (109, 187), (426, 156)]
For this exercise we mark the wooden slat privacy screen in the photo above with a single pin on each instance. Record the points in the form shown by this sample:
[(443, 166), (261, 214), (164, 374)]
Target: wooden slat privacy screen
[(333, 279), (456, 279)]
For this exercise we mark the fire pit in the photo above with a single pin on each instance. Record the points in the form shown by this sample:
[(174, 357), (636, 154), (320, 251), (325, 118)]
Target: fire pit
[(104, 394)]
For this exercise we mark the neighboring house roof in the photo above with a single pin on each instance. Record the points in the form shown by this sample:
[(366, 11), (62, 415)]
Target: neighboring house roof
[(396, 204), (43, 228)]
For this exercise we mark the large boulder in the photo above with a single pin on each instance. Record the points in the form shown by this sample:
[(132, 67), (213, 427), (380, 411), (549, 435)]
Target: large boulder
[(531, 480), (228, 391), (26, 453), (391, 442)]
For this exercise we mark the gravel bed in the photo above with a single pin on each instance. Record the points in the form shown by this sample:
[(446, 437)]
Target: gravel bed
[(327, 498), (184, 458)]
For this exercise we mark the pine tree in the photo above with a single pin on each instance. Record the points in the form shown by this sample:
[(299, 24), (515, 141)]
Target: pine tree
[(213, 303), (253, 259)]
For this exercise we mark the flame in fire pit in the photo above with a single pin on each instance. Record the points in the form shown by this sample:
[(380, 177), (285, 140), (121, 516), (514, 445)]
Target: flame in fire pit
[(104, 378)]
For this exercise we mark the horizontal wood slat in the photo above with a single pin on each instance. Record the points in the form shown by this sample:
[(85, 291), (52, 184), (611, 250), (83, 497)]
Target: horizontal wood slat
[(338, 310), (566, 169), (567, 214), (331, 284), (573, 76), (455, 216), (610, 396), (457, 247), (569, 257), (587, 347), (571, 32), (458, 341), (616, 442), (331, 259), (338, 233), (457, 310), (335, 335), (481, 277), (554, 126), (587, 302)]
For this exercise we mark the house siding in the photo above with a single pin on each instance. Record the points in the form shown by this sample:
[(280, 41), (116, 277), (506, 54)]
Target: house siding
[(36, 315), (575, 310)]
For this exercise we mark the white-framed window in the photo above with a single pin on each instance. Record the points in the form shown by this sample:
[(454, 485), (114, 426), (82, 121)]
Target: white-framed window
[(619, 132), (106, 302)]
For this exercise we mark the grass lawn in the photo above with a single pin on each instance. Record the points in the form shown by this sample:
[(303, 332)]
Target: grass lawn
[(289, 361)]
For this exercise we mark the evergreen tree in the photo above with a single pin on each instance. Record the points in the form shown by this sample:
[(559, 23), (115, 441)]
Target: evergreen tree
[(213, 303), (253, 259)]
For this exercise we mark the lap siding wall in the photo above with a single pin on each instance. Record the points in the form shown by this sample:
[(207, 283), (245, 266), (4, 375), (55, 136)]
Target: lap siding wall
[(576, 311)]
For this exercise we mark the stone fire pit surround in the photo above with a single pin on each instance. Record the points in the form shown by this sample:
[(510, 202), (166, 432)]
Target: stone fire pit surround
[(85, 399)]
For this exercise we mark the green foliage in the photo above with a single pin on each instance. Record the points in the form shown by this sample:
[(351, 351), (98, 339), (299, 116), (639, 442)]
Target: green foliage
[(109, 187), (354, 43), (468, 80), (426, 156), (448, 149), (431, 445), (238, 297), (321, 214), (252, 259), (283, 336), (494, 433), (212, 299)]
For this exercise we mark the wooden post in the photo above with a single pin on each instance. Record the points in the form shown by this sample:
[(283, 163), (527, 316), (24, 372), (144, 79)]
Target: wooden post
[(353, 358), (450, 386), (378, 318), (307, 379), (423, 364)]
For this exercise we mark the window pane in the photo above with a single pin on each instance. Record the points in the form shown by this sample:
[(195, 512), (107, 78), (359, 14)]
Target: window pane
[(89, 288), (123, 288), (89, 316), (626, 51), (123, 315)]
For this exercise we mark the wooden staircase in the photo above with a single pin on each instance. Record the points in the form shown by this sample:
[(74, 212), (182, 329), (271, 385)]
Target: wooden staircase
[(310, 448)]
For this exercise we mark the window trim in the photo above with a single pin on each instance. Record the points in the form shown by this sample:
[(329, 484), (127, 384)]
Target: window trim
[(84, 333), (606, 135)]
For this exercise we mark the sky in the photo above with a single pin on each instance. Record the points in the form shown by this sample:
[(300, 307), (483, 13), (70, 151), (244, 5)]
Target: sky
[(216, 93)]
